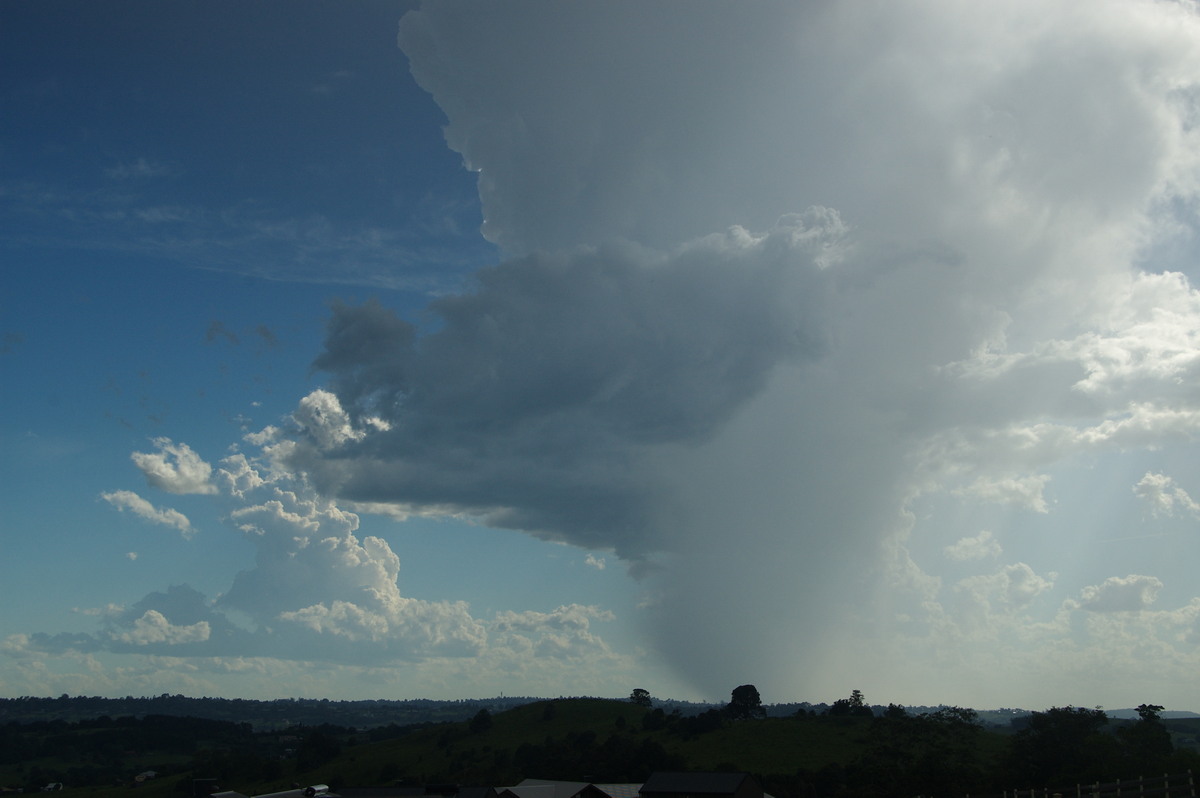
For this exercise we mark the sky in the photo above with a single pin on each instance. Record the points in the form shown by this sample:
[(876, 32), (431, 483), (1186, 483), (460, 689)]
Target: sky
[(455, 348)]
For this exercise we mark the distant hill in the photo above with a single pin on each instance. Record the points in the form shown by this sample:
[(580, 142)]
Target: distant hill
[(796, 755), (261, 715), (1167, 714), (287, 712)]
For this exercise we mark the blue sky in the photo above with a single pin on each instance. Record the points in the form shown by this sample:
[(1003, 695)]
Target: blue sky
[(450, 349)]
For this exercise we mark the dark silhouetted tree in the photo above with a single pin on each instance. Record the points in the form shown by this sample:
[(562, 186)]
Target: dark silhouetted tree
[(931, 754), (641, 697), (854, 705), (316, 749), (1146, 741), (745, 703), (481, 722), (1064, 745), (653, 721)]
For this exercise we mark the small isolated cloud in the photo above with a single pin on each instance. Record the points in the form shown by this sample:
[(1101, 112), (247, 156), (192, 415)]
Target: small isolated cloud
[(217, 329), (175, 468), (153, 627), (109, 610), (595, 562), (1121, 594), (1165, 498), (264, 332), (140, 169), (132, 555), (979, 547), (128, 500)]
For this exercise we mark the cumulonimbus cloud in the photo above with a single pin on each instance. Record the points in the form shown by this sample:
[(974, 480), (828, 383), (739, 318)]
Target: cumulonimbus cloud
[(662, 368), (780, 282), (533, 404)]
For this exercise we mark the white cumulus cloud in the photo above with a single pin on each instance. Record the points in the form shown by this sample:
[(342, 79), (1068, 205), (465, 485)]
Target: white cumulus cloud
[(980, 547), (1121, 594), (128, 500), (153, 627), (175, 468), (1165, 498)]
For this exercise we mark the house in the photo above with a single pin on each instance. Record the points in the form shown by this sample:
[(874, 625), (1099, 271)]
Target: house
[(315, 791), (701, 785), (543, 788)]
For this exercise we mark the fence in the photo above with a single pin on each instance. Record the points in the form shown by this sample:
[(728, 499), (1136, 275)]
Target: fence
[(1181, 785)]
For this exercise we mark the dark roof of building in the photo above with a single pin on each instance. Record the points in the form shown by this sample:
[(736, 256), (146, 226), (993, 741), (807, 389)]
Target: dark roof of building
[(380, 792), (476, 792), (315, 791), (694, 783), (620, 790), (547, 788)]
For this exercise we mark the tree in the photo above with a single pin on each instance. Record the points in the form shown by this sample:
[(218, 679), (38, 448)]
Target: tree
[(1064, 745), (316, 749), (481, 722), (641, 697), (933, 753), (1146, 741), (854, 705), (745, 703)]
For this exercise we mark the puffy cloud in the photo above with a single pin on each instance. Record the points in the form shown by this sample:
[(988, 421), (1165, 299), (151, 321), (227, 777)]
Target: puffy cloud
[(1121, 594), (408, 628), (564, 633), (313, 573), (595, 562), (175, 468), (321, 416), (153, 627), (1018, 491), (239, 476), (980, 547), (1015, 584), (128, 500), (1165, 498)]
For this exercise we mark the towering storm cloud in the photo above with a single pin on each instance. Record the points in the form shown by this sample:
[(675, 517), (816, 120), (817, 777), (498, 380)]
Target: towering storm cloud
[(795, 299)]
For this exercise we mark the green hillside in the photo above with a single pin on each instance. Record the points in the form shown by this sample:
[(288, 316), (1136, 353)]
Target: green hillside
[(946, 752)]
